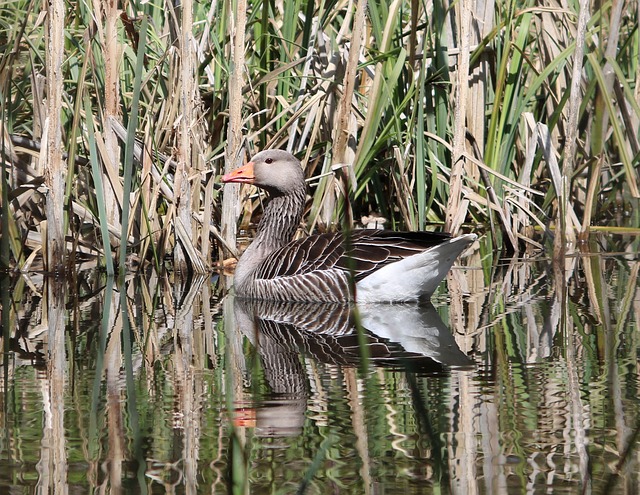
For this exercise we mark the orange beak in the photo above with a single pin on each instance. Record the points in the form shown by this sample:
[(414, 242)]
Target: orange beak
[(242, 175)]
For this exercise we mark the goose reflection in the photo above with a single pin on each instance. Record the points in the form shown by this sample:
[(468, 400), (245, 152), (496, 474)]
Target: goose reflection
[(402, 336)]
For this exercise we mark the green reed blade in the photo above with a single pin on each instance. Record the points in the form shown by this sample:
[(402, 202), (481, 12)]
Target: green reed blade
[(98, 187), (128, 153), (618, 133)]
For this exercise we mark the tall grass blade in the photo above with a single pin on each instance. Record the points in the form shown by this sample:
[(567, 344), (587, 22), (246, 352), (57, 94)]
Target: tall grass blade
[(575, 96), (618, 134), (128, 154), (99, 189), (421, 147)]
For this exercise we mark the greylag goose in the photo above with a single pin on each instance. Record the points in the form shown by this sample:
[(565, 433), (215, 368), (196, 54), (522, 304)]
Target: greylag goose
[(364, 265)]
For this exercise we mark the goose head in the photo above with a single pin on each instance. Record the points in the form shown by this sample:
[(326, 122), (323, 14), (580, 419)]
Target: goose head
[(276, 171)]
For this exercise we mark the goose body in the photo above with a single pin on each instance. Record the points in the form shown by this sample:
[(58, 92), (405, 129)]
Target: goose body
[(362, 265)]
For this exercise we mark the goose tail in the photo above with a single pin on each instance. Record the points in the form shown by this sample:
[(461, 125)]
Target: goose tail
[(415, 277)]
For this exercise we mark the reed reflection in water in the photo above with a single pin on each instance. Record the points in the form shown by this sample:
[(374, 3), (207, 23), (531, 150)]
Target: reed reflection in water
[(519, 380)]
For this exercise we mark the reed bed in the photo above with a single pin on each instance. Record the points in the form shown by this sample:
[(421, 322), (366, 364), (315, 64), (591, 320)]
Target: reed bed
[(521, 121)]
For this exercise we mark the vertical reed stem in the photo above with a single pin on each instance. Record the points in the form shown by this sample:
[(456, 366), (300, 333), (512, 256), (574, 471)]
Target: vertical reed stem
[(575, 99), (183, 168), (342, 132), (4, 191), (54, 170), (230, 200), (456, 208), (112, 55)]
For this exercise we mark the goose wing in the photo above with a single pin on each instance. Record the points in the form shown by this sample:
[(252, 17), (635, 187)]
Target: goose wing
[(359, 253)]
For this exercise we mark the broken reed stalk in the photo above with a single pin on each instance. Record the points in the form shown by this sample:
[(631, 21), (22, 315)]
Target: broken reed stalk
[(233, 152), (343, 155), (184, 169), (111, 53), (493, 198), (575, 99), (456, 206), (54, 166)]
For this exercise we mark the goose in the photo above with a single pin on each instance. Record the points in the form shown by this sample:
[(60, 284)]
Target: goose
[(362, 266)]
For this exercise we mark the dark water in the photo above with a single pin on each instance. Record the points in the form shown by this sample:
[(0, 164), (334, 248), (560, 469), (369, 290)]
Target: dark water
[(512, 382)]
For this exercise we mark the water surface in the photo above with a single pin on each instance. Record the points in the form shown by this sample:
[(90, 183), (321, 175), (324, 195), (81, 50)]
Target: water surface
[(519, 379)]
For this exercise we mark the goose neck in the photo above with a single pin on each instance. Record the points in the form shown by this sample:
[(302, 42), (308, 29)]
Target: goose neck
[(280, 220), (276, 229)]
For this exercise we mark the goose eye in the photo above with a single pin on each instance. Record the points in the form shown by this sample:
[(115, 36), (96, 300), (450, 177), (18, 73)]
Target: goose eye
[(269, 160)]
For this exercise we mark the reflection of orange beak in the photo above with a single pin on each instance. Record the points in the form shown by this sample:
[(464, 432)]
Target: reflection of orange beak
[(244, 417), (242, 174)]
